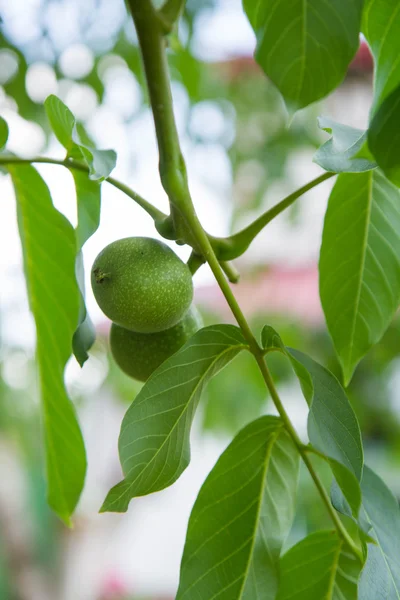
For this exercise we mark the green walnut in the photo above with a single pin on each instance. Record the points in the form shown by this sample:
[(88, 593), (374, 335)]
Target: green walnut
[(139, 354), (141, 284)]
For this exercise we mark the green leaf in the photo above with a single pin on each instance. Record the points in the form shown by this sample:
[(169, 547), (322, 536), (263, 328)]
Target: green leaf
[(319, 568), (3, 133), (341, 505), (100, 162), (49, 248), (242, 516), (359, 265), (341, 153), (380, 577), (333, 428), (304, 46), (154, 441), (384, 136), (88, 195), (85, 334), (381, 27), (62, 121)]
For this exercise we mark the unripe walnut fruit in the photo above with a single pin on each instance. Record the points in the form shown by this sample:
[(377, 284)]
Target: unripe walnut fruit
[(141, 284), (139, 354)]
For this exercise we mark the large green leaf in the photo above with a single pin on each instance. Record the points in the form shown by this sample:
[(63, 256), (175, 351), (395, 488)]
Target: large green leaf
[(305, 46), (340, 503), (333, 428), (381, 27), (88, 196), (332, 425), (62, 121), (384, 136), (3, 133), (154, 444), (341, 153), (380, 577), (359, 265), (319, 568), (241, 517), (49, 248)]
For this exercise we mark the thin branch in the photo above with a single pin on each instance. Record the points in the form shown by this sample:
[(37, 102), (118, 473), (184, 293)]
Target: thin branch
[(235, 245), (69, 163), (230, 271)]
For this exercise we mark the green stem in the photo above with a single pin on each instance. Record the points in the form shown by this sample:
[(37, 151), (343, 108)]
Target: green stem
[(156, 214), (153, 45), (230, 271), (311, 450), (170, 12), (194, 262), (235, 245), (173, 175), (218, 273)]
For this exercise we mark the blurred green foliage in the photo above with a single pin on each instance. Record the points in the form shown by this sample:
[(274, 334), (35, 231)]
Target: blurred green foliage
[(260, 147)]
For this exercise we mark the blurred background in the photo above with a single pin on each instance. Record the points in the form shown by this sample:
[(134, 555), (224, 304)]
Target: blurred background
[(242, 158)]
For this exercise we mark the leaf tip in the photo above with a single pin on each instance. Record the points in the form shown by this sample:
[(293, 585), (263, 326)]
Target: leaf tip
[(49, 98), (82, 360), (347, 371), (116, 500), (63, 515)]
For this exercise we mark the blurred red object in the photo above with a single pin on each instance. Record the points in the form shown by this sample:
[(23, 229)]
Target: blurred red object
[(238, 66), (363, 61), (113, 588), (292, 292)]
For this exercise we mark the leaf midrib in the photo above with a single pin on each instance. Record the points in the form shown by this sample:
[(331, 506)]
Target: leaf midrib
[(362, 270), (303, 43), (273, 439), (335, 566)]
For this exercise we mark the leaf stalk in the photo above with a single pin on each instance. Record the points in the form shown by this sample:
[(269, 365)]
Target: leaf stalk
[(76, 165), (235, 245)]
